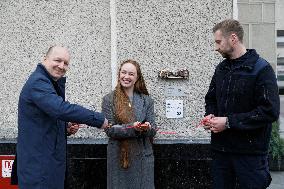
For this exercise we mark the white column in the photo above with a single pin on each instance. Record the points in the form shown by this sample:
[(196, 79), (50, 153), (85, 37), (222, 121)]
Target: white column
[(113, 42), (235, 9)]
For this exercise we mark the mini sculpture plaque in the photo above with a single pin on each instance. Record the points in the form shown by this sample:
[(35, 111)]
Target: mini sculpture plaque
[(180, 74)]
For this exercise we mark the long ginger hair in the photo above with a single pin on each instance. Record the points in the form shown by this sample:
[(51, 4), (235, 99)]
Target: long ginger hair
[(123, 112)]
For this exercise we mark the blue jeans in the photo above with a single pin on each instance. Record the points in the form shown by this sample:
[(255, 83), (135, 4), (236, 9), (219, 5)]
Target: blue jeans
[(231, 171)]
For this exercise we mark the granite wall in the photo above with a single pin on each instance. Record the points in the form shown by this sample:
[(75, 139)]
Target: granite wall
[(27, 30), (158, 34)]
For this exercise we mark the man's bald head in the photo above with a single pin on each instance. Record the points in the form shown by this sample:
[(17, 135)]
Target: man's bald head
[(56, 47), (56, 61)]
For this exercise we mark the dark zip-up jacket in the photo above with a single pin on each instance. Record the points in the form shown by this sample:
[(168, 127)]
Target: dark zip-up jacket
[(244, 90)]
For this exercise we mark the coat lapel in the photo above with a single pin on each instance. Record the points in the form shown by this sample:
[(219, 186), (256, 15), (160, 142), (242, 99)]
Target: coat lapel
[(138, 105)]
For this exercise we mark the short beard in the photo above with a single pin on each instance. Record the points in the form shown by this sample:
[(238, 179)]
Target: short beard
[(227, 54)]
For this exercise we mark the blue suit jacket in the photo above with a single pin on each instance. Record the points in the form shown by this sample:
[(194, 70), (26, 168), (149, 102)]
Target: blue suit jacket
[(42, 115)]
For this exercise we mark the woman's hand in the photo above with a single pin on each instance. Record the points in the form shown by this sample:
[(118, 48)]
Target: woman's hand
[(138, 126)]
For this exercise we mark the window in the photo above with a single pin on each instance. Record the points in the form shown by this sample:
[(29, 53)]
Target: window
[(280, 38), (280, 61)]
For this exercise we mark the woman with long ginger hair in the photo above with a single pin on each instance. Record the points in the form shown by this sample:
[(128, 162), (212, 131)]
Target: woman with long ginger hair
[(130, 110)]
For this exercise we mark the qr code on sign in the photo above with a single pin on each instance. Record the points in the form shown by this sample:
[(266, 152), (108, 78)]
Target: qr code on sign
[(7, 168)]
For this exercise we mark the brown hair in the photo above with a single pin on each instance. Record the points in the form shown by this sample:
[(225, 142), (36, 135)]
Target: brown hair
[(123, 111), (229, 26)]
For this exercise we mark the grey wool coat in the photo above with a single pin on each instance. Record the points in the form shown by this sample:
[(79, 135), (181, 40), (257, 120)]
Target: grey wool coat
[(140, 174)]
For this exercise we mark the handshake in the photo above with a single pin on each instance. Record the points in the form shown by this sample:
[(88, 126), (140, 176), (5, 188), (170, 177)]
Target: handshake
[(72, 128)]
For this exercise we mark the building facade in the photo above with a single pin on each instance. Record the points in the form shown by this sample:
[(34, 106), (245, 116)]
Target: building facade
[(160, 35)]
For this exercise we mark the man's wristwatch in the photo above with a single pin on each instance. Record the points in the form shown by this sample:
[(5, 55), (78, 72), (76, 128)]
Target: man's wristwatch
[(227, 125)]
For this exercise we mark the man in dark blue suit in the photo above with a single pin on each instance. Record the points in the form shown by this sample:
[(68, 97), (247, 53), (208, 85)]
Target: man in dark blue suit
[(43, 114)]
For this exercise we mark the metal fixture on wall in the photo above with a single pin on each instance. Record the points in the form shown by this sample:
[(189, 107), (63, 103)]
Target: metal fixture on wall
[(180, 74)]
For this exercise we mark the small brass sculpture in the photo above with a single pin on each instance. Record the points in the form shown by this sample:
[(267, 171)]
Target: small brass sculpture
[(180, 74)]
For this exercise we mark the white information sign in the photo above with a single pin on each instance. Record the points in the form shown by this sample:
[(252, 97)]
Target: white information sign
[(174, 108)]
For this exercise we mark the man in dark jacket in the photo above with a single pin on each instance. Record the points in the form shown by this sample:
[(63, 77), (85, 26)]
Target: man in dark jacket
[(241, 104), (42, 117)]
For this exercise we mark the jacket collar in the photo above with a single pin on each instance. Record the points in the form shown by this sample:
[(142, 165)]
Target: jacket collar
[(245, 62), (42, 69)]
